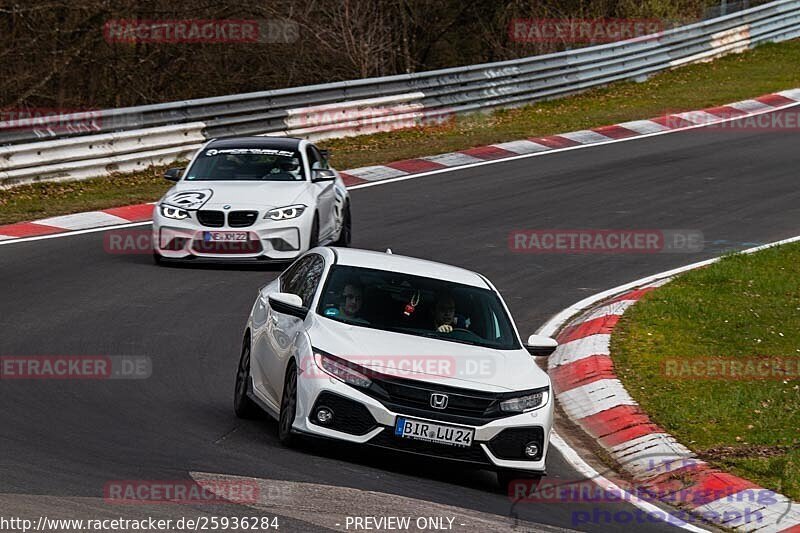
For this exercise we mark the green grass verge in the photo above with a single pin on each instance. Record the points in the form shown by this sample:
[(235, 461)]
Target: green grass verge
[(766, 69), (743, 307), (40, 200)]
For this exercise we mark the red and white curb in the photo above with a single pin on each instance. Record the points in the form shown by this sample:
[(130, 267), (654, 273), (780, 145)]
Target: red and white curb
[(114, 216), (555, 143), (582, 373), (399, 170)]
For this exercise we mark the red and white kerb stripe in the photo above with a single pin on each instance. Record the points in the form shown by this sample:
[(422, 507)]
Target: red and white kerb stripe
[(588, 390)]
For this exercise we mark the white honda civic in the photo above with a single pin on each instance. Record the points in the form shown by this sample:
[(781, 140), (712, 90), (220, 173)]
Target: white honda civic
[(401, 353), (252, 198)]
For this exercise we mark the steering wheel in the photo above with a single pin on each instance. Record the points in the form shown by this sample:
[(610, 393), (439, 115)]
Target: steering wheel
[(466, 334)]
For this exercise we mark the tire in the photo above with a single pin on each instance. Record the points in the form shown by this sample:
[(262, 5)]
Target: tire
[(243, 406), (506, 477), (346, 233), (288, 407)]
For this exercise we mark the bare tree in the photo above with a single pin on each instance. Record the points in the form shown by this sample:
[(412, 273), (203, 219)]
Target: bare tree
[(53, 53)]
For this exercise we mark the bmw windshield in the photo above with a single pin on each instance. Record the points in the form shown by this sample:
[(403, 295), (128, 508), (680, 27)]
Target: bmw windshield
[(247, 164), (425, 307)]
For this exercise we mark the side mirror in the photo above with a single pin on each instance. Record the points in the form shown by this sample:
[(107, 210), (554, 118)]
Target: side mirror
[(322, 174), (288, 304), (173, 174), (541, 346)]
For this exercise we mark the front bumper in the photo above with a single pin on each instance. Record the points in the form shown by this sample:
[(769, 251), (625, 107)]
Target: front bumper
[(266, 239), (490, 449)]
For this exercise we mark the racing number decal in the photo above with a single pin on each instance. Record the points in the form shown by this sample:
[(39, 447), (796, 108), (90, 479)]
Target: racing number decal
[(189, 199)]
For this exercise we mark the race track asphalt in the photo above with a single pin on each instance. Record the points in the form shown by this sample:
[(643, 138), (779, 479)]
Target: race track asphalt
[(67, 296)]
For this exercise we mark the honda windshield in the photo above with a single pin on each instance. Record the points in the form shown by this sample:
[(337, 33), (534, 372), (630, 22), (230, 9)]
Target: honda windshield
[(414, 305)]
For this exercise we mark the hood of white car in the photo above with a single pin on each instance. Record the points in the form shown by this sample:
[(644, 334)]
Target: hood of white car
[(243, 194), (430, 360)]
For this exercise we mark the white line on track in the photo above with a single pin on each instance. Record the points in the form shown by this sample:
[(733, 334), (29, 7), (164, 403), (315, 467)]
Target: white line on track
[(72, 233), (567, 149)]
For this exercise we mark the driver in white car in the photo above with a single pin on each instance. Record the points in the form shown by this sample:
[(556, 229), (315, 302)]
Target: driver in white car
[(444, 316), (287, 166), (352, 298)]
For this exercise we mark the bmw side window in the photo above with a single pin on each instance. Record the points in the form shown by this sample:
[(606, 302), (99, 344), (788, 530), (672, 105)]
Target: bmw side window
[(313, 158), (323, 162)]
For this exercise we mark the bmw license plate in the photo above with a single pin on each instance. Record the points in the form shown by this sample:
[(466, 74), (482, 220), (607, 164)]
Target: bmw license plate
[(408, 428), (225, 236)]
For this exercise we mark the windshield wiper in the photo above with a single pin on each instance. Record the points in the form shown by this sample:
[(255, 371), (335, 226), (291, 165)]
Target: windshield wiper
[(432, 335)]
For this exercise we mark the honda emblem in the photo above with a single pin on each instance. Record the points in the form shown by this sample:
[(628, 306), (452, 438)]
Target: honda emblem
[(439, 401)]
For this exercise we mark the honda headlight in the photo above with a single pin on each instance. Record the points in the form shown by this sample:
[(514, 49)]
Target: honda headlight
[(528, 402), (175, 213), (285, 213), (342, 370)]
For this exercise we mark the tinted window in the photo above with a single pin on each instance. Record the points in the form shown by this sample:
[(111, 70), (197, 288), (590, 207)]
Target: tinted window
[(317, 156), (291, 274), (246, 164), (402, 303), (303, 277)]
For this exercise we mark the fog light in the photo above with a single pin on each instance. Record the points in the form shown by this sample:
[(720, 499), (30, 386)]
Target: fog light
[(531, 449), (324, 415)]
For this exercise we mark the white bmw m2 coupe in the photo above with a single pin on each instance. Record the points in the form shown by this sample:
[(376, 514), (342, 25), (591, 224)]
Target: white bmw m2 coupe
[(384, 350), (252, 198)]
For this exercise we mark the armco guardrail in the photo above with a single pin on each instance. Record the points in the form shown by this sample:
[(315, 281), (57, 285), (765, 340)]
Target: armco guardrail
[(130, 138)]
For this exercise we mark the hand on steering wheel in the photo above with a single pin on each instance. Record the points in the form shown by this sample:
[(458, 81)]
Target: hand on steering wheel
[(445, 328)]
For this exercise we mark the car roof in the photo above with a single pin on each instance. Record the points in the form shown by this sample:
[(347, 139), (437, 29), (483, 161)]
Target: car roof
[(408, 265), (278, 143)]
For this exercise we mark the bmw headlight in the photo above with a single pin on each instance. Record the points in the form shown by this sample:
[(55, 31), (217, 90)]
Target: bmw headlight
[(285, 213), (175, 213), (528, 402), (342, 370)]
